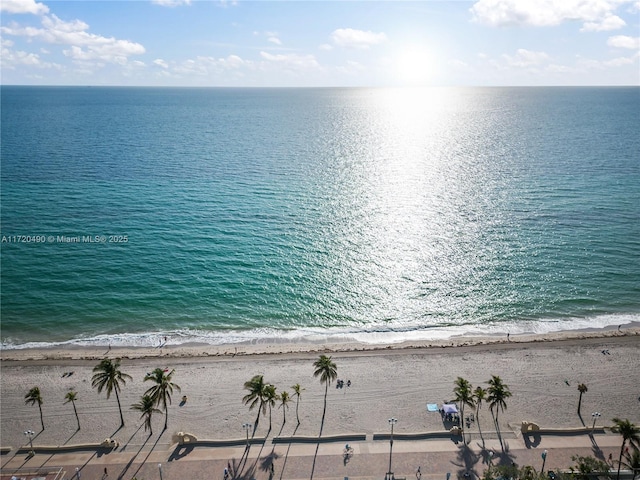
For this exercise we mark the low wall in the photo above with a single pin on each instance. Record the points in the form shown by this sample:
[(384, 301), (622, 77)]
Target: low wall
[(348, 437)]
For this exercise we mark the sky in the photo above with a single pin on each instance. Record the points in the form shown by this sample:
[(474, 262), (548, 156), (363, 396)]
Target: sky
[(303, 43)]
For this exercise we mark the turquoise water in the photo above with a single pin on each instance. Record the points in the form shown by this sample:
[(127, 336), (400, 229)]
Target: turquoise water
[(227, 215)]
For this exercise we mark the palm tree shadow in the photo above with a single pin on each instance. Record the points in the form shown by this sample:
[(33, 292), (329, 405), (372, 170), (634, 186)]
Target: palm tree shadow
[(597, 451), (131, 438), (72, 435), (128, 465), (466, 459), (286, 455), (315, 455), (248, 474), (267, 461), (117, 430), (258, 456), (95, 454), (498, 432), (504, 458), (581, 420), (145, 458)]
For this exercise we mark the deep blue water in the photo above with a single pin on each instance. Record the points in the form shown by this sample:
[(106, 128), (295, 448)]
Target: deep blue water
[(226, 215)]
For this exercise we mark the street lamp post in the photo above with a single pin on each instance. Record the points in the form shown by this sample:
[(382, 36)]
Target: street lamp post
[(392, 422), (160, 470), (544, 459), (595, 415), (247, 427), (30, 434)]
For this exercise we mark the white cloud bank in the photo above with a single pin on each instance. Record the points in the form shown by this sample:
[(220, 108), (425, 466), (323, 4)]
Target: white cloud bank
[(23, 6), (83, 46), (595, 15), (624, 41), (360, 39)]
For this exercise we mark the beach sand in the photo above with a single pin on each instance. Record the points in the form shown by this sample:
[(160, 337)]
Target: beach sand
[(542, 372)]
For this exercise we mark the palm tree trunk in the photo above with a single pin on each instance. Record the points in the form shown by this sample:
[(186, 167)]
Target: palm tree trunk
[(478, 420), (297, 404), (620, 459), (324, 409), (76, 412), (498, 429), (166, 417), (41, 419), (119, 408), (464, 440)]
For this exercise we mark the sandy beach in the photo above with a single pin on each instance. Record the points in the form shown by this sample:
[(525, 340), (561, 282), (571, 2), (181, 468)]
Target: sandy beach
[(398, 381)]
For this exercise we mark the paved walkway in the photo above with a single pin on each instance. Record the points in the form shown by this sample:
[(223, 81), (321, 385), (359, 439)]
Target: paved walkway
[(370, 459)]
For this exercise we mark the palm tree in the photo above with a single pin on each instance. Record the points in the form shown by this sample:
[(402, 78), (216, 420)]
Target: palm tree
[(108, 376), (464, 394), (255, 396), (328, 372), (632, 460), (498, 392), (297, 391), (582, 388), (479, 394), (162, 390), (284, 400), (270, 398), (629, 432), (72, 396), (146, 407), (34, 397)]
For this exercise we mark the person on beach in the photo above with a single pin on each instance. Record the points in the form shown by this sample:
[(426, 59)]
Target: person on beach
[(418, 474)]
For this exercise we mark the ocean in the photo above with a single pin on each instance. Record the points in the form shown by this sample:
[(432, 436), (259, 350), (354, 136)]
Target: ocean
[(222, 215)]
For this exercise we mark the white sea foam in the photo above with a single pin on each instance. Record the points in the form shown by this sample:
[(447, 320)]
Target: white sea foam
[(372, 335)]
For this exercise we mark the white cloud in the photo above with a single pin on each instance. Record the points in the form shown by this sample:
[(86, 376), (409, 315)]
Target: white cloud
[(325, 47), (10, 59), (624, 41), (171, 3), (292, 61), (275, 40), (233, 62), (23, 6), (84, 46), (161, 63), (526, 58), (596, 15), (619, 62), (209, 66), (350, 38), (608, 23)]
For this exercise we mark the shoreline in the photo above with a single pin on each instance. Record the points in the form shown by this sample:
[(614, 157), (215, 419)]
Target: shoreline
[(400, 381), (255, 348)]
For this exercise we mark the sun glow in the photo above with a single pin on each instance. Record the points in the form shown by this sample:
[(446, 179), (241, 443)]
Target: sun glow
[(414, 65)]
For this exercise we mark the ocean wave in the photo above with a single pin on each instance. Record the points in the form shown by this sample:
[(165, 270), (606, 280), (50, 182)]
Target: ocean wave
[(372, 335)]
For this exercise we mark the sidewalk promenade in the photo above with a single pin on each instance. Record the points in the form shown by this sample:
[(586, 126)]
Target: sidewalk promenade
[(370, 459)]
